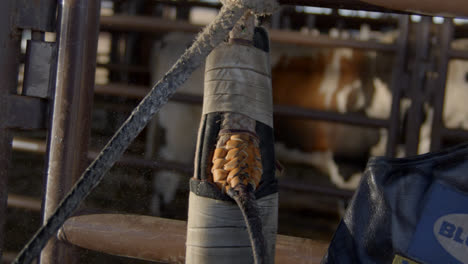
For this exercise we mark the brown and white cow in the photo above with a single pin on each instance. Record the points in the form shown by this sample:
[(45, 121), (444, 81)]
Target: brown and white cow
[(341, 80)]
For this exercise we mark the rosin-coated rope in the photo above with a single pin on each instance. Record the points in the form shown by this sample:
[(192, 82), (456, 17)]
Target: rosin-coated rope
[(237, 170), (245, 199), (211, 36)]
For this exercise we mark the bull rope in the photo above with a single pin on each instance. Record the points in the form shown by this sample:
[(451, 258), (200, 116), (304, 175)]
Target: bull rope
[(206, 41), (240, 129)]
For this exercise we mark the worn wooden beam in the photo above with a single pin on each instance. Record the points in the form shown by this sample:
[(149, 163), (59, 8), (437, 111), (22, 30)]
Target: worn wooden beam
[(163, 240)]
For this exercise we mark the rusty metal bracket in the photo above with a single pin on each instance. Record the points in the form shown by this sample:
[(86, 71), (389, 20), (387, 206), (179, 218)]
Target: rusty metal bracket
[(37, 15), (40, 60)]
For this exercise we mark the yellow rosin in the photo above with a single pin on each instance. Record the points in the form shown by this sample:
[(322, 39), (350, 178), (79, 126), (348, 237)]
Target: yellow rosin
[(236, 160)]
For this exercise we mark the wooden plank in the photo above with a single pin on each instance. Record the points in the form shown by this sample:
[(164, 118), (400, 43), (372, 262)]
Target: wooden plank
[(163, 240)]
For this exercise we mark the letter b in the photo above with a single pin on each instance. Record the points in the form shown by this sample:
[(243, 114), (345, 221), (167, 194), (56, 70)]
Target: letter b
[(447, 229)]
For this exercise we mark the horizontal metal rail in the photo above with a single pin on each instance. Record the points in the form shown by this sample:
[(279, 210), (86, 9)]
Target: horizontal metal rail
[(458, 54), (138, 92), (319, 190), (189, 3), (455, 134), (157, 25), (434, 7), (29, 145), (145, 24), (124, 68), (136, 161), (24, 202), (297, 38), (344, 4), (38, 146), (329, 116)]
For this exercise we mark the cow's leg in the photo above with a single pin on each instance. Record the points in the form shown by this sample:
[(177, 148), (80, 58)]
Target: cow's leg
[(322, 160), (180, 123)]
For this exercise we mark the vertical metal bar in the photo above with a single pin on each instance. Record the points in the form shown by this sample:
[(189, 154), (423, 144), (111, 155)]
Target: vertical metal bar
[(416, 91), (132, 39), (10, 38), (183, 11), (439, 92), (397, 85), (115, 57), (77, 32)]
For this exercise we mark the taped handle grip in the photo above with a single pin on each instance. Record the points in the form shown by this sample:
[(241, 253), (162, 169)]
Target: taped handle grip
[(216, 231), (237, 80)]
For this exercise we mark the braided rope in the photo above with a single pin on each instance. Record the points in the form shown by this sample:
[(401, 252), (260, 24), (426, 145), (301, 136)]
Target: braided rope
[(237, 160), (210, 37), (237, 171)]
